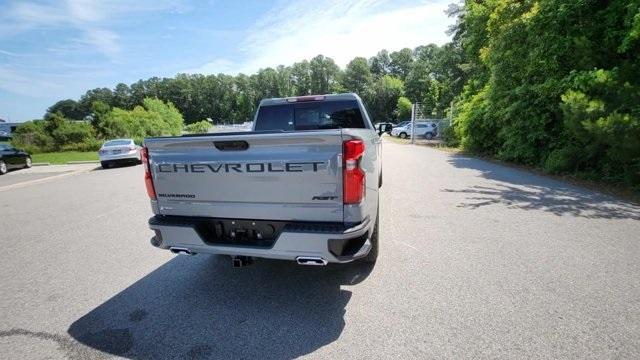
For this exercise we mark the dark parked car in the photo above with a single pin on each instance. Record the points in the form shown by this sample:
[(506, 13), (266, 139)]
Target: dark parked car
[(386, 127), (12, 158)]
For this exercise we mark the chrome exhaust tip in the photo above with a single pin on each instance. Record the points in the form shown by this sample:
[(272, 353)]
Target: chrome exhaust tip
[(181, 251), (311, 260)]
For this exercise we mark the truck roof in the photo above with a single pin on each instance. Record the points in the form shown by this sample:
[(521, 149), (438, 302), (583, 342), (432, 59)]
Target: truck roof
[(304, 98)]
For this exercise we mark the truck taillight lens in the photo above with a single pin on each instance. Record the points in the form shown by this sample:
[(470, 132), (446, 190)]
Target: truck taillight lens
[(353, 176), (148, 181)]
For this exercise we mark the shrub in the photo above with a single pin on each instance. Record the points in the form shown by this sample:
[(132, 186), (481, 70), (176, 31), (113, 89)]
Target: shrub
[(450, 136), (33, 138), (87, 145), (167, 113), (200, 127), (154, 119), (476, 126), (562, 160), (73, 133), (403, 108)]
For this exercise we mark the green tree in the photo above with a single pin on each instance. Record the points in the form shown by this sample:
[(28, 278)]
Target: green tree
[(68, 108), (99, 112), (99, 94), (168, 114), (357, 76), (383, 98), (233, 99), (401, 62), (403, 109), (380, 64), (301, 76), (324, 75), (553, 83), (122, 96)]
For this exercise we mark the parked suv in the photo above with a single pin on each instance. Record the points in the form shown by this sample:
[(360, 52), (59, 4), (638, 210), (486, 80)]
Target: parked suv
[(425, 129)]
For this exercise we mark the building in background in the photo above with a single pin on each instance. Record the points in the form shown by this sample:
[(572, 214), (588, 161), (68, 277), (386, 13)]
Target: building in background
[(6, 128)]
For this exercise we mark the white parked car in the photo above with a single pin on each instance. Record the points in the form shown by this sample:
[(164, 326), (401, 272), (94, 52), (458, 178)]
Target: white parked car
[(119, 151), (426, 129)]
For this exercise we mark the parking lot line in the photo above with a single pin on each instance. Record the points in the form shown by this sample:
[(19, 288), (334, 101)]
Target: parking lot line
[(41, 180)]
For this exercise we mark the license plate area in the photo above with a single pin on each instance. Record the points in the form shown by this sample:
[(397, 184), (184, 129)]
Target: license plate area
[(249, 233)]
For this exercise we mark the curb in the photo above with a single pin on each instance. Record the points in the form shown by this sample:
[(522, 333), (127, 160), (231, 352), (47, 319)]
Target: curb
[(83, 162), (40, 164)]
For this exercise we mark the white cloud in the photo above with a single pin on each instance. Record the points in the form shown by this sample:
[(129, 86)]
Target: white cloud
[(89, 17), (338, 29), (217, 66), (103, 41), (85, 10), (8, 53), (13, 81)]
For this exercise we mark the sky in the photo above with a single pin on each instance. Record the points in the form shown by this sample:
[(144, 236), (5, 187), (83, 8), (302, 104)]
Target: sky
[(54, 50)]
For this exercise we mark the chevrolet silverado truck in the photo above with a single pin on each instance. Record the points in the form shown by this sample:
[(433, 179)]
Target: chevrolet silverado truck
[(303, 185)]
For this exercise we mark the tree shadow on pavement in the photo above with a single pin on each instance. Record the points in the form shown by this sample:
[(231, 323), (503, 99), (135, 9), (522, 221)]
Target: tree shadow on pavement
[(200, 307), (523, 190)]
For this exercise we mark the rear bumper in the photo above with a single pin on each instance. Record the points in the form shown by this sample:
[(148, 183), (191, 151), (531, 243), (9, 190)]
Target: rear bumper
[(132, 156), (334, 243)]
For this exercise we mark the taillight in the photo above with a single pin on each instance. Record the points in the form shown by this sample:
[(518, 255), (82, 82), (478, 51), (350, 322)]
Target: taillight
[(148, 181), (353, 176)]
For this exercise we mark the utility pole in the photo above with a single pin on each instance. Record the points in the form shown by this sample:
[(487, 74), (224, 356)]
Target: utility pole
[(413, 123), (451, 112)]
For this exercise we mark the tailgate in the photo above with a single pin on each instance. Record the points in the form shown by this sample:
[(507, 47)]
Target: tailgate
[(268, 176)]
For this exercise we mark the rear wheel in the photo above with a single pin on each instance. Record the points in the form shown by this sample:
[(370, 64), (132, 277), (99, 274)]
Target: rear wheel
[(3, 167), (428, 136), (27, 162), (373, 253), (403, 135)]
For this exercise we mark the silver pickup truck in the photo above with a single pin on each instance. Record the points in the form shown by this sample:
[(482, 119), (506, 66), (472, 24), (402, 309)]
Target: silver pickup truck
[(302, 186)]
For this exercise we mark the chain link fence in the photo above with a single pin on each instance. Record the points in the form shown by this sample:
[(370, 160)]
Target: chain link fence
[(426, 128)]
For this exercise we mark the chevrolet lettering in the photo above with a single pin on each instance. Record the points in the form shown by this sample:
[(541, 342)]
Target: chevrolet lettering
[(251, 167)]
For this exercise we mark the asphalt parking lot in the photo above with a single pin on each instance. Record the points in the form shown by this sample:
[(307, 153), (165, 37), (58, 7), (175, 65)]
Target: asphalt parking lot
[(477, 260), (24, 177)]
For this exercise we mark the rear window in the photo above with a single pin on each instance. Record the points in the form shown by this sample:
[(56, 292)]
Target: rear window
[(117, 143), (310, 116)]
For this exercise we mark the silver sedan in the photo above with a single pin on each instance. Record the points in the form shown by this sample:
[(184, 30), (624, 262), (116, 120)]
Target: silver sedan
[(119, 151)]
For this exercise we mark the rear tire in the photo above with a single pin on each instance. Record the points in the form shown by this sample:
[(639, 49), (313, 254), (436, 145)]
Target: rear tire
[(428, 136), (373, 253), (403, 135), (3, 167), (27, 162), (105, 165)]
